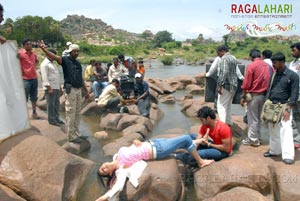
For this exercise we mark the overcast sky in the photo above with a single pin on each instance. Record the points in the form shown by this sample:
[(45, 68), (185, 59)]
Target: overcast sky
[(183, 18)]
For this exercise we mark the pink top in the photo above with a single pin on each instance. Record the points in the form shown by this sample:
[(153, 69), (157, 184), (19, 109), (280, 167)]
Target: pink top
[(129, 155), (28, 61)]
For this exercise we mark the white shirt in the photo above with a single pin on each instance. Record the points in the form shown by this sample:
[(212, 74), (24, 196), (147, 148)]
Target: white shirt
[(116, 72), (108, 93), (133, 173), (50, 74)]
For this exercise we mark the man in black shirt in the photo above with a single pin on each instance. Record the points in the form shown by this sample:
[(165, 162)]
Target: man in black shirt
[(284, 89), (73, 84)]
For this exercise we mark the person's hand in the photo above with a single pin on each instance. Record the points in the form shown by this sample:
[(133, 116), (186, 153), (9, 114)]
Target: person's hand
[(2, 40), (137, 143), (243, 102), (286, 115), (102, 198), (220, 90), (41, 44)]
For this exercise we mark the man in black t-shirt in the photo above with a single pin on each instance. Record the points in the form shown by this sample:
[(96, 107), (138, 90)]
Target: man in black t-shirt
[(73, 85)]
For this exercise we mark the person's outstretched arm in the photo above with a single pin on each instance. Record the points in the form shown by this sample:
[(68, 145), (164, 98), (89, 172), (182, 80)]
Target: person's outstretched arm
[(50, 55)]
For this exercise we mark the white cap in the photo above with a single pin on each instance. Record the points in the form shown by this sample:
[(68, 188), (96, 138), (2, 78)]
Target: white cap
[(69, 43), (138, 75), (73, 47)]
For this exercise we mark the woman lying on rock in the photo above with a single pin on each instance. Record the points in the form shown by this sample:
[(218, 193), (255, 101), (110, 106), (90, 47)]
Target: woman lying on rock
[(130, 161)]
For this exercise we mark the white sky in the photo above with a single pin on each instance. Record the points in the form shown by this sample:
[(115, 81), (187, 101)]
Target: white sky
[(183, 18)]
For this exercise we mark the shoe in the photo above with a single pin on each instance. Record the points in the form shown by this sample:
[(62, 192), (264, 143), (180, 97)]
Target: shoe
[(254, 143), (83, 137), (55, 124), (268, 154), (35, 116), (76, 140), (288, 161), (61, 122)]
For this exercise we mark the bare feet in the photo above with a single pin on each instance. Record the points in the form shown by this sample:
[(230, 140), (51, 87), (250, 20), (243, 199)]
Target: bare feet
[(206, 163)]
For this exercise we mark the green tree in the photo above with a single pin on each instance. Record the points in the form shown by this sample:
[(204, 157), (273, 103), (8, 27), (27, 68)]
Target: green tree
[(162, 37)]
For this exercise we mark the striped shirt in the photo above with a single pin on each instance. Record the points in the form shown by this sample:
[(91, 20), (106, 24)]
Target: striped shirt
[(227, 77)]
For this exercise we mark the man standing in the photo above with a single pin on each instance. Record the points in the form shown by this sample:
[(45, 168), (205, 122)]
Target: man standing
[(227, 83), (255, 85), (142, 95), (295, 66), (73, 85), (219, 132), (2, 39), (284, 88), (51, 85), (100, 75), (129, 63), (28, 62)]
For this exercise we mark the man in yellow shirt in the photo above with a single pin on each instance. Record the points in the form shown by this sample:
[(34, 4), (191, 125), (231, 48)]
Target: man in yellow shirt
[(89, 72)]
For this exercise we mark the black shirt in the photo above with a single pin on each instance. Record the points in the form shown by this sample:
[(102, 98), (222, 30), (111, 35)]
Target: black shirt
[(285, 87), (72, 71)]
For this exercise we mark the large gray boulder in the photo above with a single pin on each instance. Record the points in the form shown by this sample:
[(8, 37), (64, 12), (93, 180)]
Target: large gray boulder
[(39, 169)]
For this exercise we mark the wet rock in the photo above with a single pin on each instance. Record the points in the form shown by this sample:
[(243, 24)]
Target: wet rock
[(101, 135), (91, 108), (155, 113), (190, 107), (38, 169), (136, 128), (127, 120), (77, 148), (168, 99), (195, 89)]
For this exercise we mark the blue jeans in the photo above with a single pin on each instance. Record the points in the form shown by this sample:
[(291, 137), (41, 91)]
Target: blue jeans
[(165, 146), (31, 87), (204, 152), (96, 86)]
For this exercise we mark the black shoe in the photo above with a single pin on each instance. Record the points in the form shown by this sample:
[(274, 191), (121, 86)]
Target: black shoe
[(61, 122), (268, 154), (76, 140), (288, 161), (55, 124), (83, 137)]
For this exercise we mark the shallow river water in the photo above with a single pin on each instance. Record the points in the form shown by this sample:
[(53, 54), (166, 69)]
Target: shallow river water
[(173, 118)]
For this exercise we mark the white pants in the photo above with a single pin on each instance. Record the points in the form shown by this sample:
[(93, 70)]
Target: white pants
[(224, 106), (281, 139)]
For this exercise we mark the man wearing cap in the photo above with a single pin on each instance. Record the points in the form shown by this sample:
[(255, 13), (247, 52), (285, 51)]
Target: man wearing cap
[(73, 84), (110, 97), (129, 63), (65, 52), (142, 95)]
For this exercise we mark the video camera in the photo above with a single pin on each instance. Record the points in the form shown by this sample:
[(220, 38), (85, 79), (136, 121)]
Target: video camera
[(127, 86)]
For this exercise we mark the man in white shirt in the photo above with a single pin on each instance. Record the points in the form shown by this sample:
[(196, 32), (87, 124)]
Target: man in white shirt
[(51, 85), (116, 70), (295, 66)]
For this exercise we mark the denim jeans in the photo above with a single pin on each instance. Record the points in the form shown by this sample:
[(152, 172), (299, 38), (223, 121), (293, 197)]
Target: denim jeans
[(96, 86), (165, 146), (31, 89), (204, 152)]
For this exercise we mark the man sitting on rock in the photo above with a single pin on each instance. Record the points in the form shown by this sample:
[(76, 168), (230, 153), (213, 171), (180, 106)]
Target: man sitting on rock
[(142, 95), (219, 145), (110, 97)]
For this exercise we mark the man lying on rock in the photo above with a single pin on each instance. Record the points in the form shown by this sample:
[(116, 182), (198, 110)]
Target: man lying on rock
[(219, 145), (130, 161)]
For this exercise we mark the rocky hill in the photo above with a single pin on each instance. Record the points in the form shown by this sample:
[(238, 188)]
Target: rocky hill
[(97, 32)]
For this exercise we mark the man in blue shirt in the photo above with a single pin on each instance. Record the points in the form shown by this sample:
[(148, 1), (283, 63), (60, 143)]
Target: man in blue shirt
[(142, 95)]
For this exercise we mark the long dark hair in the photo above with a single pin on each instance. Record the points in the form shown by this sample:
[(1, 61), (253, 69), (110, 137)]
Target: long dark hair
[(106, 180)]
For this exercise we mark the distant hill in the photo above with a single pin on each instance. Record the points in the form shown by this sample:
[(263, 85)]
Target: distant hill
[(97, 32)]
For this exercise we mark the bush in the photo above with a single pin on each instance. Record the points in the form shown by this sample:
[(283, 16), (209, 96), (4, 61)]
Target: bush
[(167, 60)]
